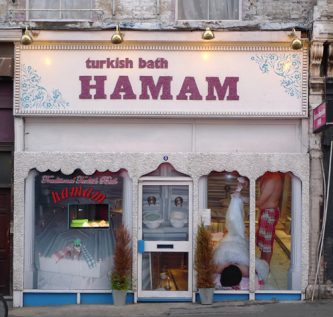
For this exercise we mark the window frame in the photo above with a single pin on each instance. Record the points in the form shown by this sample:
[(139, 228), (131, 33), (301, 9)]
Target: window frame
[(239, 14)]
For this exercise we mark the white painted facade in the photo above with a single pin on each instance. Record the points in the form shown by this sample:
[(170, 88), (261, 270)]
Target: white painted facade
[(193, 145), (161, 135)]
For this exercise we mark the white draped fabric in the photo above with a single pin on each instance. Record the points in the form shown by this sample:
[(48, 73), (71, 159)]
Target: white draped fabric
[(234, 247), (208, 9), (60, 9)]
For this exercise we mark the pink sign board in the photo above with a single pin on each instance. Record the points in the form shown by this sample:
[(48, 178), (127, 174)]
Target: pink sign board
[(169, 80), (319, 117)]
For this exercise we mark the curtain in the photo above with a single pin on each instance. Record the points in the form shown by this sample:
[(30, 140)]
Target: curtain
[(223, 9), (208, 9), (56, 9), (43, 4), (192, 9)]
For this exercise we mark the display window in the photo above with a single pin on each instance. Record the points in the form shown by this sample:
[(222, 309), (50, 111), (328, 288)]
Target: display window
[(75, 219), (273, 227), (228, 200)]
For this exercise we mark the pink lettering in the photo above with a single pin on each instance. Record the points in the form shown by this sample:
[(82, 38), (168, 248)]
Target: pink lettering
[(123, 86), (189, 87), (230, 84), (163, 83), (86, 86), (160, 89)]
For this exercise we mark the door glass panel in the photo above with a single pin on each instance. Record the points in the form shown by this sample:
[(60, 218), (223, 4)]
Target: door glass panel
[(165, 271), (165, 212)]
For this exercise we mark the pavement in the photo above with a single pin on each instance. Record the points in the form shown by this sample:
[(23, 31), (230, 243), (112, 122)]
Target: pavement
[(318, 308)]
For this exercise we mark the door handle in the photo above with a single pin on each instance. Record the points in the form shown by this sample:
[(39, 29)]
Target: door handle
[(141, 246)]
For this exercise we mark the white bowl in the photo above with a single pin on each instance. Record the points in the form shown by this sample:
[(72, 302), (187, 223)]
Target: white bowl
[(177, 223), (153, 224), (152, 220), (178, 219)]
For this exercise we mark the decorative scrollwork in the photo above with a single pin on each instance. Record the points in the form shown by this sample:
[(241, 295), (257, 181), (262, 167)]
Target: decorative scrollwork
[(35, 96), (316, 54), (287, 66)]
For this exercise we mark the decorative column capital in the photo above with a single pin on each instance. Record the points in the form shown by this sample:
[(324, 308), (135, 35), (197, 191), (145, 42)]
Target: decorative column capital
[(316, 56)]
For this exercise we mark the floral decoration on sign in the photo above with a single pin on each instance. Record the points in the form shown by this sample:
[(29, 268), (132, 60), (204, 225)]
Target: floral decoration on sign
[(35, 96), (286, 66)]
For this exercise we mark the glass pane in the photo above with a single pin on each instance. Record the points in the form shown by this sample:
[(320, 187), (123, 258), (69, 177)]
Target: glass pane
[(228, 199), (208, 9), (75, 221), (74, 4), (165, 271), (40, 9), (223, 9), (60, 9), (165, 212), (192, 9), (273, 232)]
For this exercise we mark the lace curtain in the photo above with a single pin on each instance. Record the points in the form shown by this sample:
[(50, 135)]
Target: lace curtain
[(60, 9), (208, 9)]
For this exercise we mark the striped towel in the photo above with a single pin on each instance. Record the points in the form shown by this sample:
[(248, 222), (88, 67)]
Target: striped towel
[(88, 257)]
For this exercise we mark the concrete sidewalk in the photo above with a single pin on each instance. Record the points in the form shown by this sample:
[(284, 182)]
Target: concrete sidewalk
[(271, 309)]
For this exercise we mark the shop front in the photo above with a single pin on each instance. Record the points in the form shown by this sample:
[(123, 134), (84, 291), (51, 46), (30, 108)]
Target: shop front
[(158, 135)]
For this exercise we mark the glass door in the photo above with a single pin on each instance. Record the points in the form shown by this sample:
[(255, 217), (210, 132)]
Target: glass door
[(165, 238)]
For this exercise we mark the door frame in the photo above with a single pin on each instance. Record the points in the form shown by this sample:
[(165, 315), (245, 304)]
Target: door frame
[(180, 246)]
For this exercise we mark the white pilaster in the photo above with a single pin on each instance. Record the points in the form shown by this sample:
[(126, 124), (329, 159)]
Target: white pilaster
[(252, 246), (17, 299), (127, 202), (29, 231), (19, 134), (295, 270), (203, 192)]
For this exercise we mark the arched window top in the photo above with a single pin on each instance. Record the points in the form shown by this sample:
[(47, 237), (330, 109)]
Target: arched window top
[(166, 170)]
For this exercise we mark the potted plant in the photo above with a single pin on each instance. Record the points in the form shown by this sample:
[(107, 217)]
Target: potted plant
[(204, 265), (122, 266)]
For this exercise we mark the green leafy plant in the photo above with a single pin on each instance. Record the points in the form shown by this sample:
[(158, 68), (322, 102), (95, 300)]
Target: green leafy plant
[(122, 264), (204, 258)]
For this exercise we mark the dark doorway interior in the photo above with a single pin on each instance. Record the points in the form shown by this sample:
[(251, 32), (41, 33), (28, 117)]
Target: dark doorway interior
[(5, 209)]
